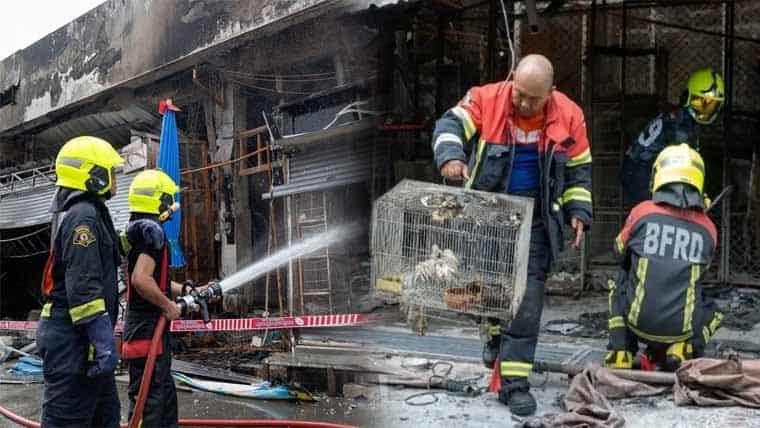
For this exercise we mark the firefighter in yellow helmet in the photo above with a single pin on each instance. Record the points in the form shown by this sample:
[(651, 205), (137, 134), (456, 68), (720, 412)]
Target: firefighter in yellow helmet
[(151, 294), (701, 103), (75, 335), (665, 247)]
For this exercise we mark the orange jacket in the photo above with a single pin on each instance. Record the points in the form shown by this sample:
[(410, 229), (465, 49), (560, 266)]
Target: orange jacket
[(482, 125)]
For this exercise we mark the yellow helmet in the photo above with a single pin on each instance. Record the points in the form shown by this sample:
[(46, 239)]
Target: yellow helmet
[(152, 192), (86, 163), (678, 164), (705, 95)]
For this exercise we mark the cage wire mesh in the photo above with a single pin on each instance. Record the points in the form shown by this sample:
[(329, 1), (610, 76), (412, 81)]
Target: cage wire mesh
[(451, 249)]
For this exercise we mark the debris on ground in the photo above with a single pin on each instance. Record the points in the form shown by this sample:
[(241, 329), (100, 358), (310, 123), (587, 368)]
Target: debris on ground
[(27, 366), (260, 390), (588, 324), (203, 368), (360, 392), (741, 307)]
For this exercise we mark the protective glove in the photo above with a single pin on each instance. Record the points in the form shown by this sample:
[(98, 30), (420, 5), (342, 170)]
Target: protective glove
[(188, 287), (100, 333), (618, 360)]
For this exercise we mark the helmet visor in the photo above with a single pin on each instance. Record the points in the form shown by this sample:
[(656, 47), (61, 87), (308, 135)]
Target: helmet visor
[(167, 201), (705, 109)]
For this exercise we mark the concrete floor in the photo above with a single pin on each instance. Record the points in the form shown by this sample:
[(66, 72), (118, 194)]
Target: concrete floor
[(26, 400), (384, 406), (389, 409), (487, 411)]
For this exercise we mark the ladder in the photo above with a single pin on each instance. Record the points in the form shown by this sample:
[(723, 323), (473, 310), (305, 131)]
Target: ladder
[(314, 273)]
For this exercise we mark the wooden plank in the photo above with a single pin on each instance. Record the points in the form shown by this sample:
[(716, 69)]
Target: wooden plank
[(331, 382), (254, 170), (211, 372), (250, 132)]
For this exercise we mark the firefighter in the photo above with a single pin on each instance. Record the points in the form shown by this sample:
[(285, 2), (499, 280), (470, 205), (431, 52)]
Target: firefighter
[(665, 247), (700, 104), (528, 139), (150, 295), (75, 335)]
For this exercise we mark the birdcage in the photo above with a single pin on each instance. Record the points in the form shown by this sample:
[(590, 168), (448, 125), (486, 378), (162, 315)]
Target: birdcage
[(452, 249)]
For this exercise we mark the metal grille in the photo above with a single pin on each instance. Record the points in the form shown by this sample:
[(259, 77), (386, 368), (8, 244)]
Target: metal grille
[(625, 63), (560, 40), (314, 278), (452, 249), (743, 230)]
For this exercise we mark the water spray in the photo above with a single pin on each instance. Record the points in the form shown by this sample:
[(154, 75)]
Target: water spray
[(196, 301), (283, 256)]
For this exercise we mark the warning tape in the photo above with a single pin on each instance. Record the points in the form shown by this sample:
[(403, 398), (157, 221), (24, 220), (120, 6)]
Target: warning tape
[(235, 324)]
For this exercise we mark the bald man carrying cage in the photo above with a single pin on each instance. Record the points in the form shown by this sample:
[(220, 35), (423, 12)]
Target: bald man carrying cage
[(524, 138)]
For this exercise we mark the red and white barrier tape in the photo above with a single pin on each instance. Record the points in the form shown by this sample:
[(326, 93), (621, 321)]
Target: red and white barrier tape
[(236, 324)]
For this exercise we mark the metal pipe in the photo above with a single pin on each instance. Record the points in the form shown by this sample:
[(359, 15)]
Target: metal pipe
[(654, 378), (728, 53)]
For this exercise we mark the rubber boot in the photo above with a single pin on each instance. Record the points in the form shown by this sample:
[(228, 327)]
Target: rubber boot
[(492, 338), (676, 354), (517, 396)]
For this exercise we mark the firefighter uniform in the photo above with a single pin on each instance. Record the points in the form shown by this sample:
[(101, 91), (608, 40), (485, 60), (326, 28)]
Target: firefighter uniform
[(484, 128), (701, 102), (145, 236), (665, 247), (75, 334), (664, 130)]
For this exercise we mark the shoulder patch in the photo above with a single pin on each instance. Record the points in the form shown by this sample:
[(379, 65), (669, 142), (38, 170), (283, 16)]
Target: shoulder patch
[(83, 236)]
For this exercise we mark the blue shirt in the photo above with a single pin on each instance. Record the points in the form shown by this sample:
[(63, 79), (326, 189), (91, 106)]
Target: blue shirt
[(524, 169)]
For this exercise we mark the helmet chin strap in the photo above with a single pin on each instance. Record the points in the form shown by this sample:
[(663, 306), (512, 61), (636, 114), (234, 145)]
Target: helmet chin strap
[(168, 213)]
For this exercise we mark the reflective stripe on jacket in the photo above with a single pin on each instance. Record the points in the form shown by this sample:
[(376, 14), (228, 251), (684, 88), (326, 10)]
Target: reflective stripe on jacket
[(479, 131)]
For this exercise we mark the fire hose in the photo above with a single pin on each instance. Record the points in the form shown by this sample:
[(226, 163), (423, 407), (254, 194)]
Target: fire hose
[(190, 303)]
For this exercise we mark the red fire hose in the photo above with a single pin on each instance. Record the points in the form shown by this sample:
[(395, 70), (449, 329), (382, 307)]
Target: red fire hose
[(147, 377), (142, 395), (275, 423)]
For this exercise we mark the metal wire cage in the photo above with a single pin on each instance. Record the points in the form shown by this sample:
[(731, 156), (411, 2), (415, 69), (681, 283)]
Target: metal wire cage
[(452, 249)]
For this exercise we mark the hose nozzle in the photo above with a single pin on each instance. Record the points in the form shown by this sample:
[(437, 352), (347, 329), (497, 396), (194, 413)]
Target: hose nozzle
[(197, 301)]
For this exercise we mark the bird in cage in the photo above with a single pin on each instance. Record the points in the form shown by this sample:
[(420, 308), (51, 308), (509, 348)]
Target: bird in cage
[(444, 207), (441, 268), (514, 219)]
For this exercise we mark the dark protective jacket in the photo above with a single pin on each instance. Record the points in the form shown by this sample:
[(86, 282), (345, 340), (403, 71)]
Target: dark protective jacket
[(81, 273), (145, 236), (481, 128), (664, 253), (666, 129)]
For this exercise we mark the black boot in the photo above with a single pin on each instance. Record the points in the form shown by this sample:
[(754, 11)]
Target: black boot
[(492, 338), (517, 396)]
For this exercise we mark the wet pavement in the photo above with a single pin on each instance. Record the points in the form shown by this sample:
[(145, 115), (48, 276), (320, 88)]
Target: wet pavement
[(26, 400)]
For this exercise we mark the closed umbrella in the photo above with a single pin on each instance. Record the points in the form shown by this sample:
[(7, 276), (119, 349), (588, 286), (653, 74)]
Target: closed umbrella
[(168, 162)]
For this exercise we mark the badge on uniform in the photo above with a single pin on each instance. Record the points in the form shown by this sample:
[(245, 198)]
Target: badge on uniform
[(83, 236)]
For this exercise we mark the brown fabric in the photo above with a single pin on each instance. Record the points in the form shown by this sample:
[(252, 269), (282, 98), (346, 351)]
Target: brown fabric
[(701, 382), (612, 386), (711, 382), (587, 401)]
